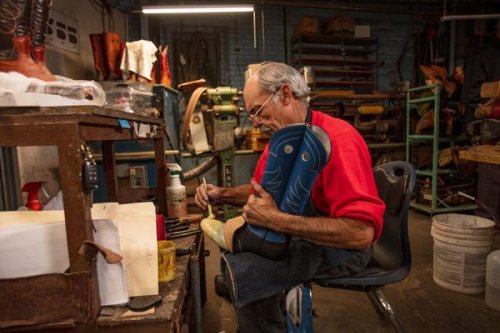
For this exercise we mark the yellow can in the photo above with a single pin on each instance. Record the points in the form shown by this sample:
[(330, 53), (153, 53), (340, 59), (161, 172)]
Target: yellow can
[(166, 261)]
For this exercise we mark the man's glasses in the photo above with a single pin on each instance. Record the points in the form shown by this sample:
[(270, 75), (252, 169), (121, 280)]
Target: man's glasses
[(254, 114)]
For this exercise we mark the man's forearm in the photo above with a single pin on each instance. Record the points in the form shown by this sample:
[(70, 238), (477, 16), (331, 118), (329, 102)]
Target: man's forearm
[(236, 196), (325, 231)]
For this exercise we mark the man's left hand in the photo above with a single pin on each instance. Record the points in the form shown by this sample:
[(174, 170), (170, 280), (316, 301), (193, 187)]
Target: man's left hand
[(260, 209)]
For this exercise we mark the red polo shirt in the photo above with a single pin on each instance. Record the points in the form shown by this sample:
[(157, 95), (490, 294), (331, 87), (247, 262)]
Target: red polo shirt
[(345, 187)]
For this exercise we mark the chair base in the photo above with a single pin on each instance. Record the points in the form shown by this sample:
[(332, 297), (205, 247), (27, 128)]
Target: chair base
[(383, 307)]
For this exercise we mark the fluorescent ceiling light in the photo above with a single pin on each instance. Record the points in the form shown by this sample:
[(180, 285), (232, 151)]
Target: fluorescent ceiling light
[(197, 9)]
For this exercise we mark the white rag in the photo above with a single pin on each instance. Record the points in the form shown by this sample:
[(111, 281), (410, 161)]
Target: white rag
[(139, 57)]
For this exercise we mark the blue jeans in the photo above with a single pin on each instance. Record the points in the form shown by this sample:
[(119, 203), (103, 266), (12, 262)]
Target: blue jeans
[(256, 283)]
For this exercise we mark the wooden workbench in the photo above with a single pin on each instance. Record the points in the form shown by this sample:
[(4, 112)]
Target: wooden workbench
[(182, 298), (68, 128)]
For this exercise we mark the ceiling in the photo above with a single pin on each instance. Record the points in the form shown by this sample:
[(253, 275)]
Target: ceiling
[(407, 6)]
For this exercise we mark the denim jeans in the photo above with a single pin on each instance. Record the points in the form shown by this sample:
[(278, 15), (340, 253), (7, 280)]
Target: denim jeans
[(255, 283)]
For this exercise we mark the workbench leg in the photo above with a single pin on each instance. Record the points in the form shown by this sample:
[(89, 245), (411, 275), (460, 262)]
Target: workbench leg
[(77, 203), (109, 162), (161, 194)]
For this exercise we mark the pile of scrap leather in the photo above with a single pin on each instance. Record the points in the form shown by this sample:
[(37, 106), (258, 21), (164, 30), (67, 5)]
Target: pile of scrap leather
[(19, 90), (490, 109)]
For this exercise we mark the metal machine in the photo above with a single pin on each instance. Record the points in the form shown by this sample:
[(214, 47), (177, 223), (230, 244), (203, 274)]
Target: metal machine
[(210, 123)]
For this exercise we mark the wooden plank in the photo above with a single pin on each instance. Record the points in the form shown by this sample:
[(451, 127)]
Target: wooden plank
[(485, 153)]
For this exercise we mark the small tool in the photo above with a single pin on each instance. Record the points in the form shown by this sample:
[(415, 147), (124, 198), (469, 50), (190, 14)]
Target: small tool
[(210, 213)]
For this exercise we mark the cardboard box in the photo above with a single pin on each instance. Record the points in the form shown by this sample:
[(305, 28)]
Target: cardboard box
[(361, 31), (307, 25), (339, 25)]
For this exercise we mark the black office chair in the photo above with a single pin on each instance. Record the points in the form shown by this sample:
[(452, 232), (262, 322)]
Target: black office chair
[(391, 260)]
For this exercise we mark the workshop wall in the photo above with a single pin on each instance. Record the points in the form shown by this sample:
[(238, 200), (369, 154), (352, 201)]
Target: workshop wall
[(89, 18), (393, 31), (41, 163)]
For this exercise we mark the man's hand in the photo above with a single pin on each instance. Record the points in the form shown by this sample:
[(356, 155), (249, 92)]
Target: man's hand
[(205, 195), (259, 208)]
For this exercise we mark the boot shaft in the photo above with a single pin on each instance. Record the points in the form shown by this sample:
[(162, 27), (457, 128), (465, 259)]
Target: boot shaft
[(111, 42), (96, 41), (15, 21), (39, 21)]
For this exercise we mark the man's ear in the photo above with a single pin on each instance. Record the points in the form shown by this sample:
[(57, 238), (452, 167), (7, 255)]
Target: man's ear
[(286, 95)]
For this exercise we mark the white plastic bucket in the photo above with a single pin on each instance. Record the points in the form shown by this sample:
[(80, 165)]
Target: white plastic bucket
[(461, 246)]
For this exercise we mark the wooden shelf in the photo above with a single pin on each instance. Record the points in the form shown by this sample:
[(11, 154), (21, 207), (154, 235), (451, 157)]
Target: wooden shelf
[(333, 39), (312, 59), (306, 48), (339, 95), (334, 82)]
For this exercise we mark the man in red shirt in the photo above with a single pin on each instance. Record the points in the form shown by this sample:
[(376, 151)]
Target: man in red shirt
[(350, 214)]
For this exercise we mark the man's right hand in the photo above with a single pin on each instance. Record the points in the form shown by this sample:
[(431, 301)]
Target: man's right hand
[(205, 195)]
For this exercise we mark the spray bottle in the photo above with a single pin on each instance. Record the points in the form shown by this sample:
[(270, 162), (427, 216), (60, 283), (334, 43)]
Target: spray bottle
[(33, 188), (176, 196)]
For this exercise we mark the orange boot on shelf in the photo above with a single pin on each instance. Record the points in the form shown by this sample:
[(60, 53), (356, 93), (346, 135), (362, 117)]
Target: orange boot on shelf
[(39, 21), (98, 51), (111, 42), (166, 78)]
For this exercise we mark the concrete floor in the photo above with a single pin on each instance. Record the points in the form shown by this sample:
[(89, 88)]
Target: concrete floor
[(420, 304)]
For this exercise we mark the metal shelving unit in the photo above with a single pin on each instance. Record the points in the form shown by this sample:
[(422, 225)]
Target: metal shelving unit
[(339, 62), (437, 204)]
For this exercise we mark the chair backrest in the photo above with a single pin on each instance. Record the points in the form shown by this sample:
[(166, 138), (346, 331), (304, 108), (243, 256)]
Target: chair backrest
[(395, 182)]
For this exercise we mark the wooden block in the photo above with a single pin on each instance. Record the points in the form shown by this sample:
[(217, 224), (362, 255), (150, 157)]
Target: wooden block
[(485, 153), (490, 89), (339, 24), (307, 25), (361, 31)]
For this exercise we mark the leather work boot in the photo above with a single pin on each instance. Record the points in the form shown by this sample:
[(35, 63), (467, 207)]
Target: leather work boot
[(96, 42), (39, 20), (111, 42)]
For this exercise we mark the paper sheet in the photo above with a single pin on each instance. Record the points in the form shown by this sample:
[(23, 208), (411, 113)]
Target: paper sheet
[(137, 229), (112, 277), (32, 243)]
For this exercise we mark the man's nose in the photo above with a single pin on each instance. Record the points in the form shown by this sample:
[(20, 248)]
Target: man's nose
[(256, 123)]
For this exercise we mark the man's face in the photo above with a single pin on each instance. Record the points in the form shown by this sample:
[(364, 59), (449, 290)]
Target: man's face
[(263, 110)]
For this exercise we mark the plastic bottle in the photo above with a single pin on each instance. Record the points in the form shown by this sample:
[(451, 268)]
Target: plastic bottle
[(176, 197), (492, 291)]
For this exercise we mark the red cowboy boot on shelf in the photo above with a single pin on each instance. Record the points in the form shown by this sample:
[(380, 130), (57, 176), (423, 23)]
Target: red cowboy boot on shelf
[(111, 42), (98, 52), (17, 29), (24, 64), (39, 21)]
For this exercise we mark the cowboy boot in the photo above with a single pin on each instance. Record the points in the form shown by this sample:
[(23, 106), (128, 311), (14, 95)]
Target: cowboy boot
[(24, 64), (236, 234), (291, 170), (297, 154), (15, 19), (39, 20), (98, 51), (166, 77), (111, 42)]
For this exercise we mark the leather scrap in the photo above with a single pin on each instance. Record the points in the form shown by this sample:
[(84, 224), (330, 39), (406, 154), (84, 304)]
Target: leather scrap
[(89, 250)]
